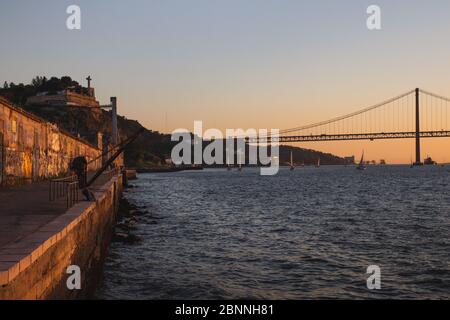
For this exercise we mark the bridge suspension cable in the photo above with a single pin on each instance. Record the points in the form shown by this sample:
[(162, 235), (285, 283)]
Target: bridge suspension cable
[(415, 114), (394, 118), (435, 95), (367, 109)]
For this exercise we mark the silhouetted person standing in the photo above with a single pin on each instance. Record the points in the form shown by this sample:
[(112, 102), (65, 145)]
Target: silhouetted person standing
[(79, 166)]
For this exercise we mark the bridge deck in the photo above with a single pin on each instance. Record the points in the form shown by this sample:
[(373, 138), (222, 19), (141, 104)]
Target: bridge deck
[(356, 136)]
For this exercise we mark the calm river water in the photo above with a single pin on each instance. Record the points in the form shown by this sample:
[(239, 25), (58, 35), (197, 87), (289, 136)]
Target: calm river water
[(306, 234)]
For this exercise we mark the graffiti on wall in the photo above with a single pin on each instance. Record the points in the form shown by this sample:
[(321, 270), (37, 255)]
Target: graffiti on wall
[(34, 149)]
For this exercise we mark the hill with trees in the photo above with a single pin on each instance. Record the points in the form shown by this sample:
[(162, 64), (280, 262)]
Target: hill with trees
[(149, 150)]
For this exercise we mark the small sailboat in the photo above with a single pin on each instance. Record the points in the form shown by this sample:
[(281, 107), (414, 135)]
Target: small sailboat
[(240, 162), (228, 162), (318, 163), (361, 165), (412, 164), (292, 162)]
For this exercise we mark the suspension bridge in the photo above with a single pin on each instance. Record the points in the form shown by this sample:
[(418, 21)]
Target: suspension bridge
[(413, 115)]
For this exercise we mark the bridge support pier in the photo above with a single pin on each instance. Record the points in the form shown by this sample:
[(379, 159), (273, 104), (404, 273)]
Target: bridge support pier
[(418, 159)]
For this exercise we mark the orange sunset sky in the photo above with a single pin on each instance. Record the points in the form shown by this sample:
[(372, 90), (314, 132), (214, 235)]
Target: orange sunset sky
[(239, 64)]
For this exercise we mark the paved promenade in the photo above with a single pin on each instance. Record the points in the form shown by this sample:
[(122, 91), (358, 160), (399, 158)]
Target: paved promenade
[(25, 209), (39, 239)]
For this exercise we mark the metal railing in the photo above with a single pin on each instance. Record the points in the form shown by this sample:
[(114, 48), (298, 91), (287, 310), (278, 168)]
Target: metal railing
[(72, 193), (59, 187), (69, 187)]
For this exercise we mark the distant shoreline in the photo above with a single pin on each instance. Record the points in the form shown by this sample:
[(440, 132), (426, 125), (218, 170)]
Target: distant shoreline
[(200, 168), (168, 169)]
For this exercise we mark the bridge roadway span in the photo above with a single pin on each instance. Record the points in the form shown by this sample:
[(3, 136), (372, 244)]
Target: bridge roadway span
[(356, 136)]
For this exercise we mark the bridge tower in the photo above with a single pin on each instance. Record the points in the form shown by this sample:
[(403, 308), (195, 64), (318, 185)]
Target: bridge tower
[(418, 160)]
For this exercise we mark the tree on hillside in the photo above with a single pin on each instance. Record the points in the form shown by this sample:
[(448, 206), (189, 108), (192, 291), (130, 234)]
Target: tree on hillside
[(19, 93), (38, 81), (55, 84), (68, 82)]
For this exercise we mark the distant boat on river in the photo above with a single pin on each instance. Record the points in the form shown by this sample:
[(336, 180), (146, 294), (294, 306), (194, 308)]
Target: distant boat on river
[(240, 161), (292, 162), (228, 163), (361, 165)]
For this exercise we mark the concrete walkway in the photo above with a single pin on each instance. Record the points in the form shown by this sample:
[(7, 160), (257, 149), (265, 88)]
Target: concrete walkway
[(25, 209)]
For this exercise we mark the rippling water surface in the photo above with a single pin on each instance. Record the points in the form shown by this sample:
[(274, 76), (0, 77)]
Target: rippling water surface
[(310, 233)]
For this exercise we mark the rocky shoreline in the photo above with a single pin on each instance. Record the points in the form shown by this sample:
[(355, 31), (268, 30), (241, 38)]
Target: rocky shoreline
[(127, 219)]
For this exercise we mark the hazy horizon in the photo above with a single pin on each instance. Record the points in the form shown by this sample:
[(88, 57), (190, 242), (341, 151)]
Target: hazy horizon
[(235, 64)]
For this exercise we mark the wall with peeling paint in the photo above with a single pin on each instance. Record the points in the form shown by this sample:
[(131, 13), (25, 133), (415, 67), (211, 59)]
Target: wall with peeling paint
[(34, 149)]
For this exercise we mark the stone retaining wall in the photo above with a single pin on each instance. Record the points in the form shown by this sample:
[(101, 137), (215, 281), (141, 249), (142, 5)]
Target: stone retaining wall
[(36, 267), (33, 149)]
